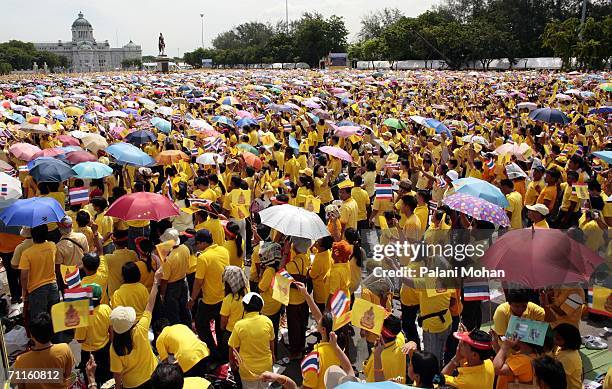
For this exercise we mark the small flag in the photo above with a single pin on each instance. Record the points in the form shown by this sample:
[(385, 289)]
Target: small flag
[(169, 188), (339, 303), (76, 294), (579, 151), (476, 291), (285, 273), (4, 190), (441, 182), (563, 152), (194, 152), (73, 279), (392, 165), (384, 191), (260, 118), (287, 182), (287, 127), (310, 363), (23, 169), (280, 287), (213, 145), (471, 126), (490, 163), (433, 205), (11, 172), (78, 195)]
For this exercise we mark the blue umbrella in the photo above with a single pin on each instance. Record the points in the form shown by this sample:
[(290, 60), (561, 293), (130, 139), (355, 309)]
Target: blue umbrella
[(549, 115), (130, 154), (90, 117), (141, 137), (161, 124), (347, 101), (93, 170), (17, 118), (38, 161), (224, 120), (51, 170), (438, 126), (246, 122), (605, 155), (130, 111), (601, 110), (481, 189), (314, 117), (293, 143), (33, 212), (346, 123), (61, 116)]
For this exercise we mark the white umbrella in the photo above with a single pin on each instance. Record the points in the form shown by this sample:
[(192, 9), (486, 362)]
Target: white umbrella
[(10, 189), (166, 111), (562, 97), (294, 221), (527, 104), (116, 114), (208, 159), (475, 139), (94, 142), (418, 119)]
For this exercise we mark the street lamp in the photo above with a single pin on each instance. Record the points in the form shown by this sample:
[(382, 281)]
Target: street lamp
[(202, 17)]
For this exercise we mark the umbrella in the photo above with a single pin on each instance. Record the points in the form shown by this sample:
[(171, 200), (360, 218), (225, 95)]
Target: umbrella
[(24, 151), (481, 189), (161, 124), (74, 111), (209, 159), (607, 86), (127, 153), (438, 126), (223, 120), (200, 125), (94, 142), (168, 157), (141, 137), (549, 115), (419, 119), (529, 105), (477, 208), (33, 212), (10, 188), (252, 160), (294, 221), (68, 140), (51, 170), (230, 100), (36, 128), (75, 157), (605, 155), (116, 114), (395, 123), (166, 111), (247, 147), (246, 122), (143, 206), (539, 258), (520, 151), (92, 170), (475, 139), (605, 110), (336, 152), (52, 152)]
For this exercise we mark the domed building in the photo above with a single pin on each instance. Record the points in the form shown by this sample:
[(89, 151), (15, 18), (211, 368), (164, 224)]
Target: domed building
[(85, 54)]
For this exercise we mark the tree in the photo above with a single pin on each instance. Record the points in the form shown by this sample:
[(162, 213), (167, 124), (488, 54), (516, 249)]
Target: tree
[(5, 68), (374, 24), (315, 37), (487, 42), (195, 57), (562, 37)]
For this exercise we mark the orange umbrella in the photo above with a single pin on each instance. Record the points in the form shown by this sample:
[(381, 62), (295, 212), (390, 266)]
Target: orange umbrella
[(252, 160), (168, 157)]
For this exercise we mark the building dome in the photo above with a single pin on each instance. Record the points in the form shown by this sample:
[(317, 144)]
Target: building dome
[(81, 22), (130, 45)]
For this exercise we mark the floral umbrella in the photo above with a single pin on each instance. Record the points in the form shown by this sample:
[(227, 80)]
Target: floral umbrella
[(478, 208)]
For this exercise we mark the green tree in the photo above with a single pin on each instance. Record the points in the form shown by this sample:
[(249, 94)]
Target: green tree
[(315, 37), (373, 25), (5, 68), (562, 37)]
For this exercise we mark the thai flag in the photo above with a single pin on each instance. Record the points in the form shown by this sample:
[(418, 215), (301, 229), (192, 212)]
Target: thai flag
[(490, 163), (339, 303), (476, 291), (76, 294), (287, 127), (6, 133), (471, 126), (73, 279), (23, 169), (78, 195), (169, 187), (285, 273), (198, 202), (433, 205), (579, 152), (260, 118), (194, 151), (392, 165), (441, 182), (11, 172), (384, 191), (4, 190), (311, 363), (214, 145), (563, 152)]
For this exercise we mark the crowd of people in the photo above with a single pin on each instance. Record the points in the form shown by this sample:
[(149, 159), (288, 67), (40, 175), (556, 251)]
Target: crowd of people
[(190, 300)]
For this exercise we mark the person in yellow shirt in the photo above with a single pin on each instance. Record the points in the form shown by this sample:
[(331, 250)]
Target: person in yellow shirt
[(362, 199), (388, 352), (349, 210), (549, 373), (170, 375), (270, 257), (131, 357), (83, 220), (569, 212), (513, 362), (593, 233), (548, 196), (95, 273), (535, 186), (203, 190), (209, 280), (471, 367), (252, 343), (94, 338), (422, 209), (180, 342), (37, 265), (319, 270), (116, 260), (340, 271), (211, 222), (131, 293), (234, 244), (103, 224), (517, 304), (537, 214), (515, 204), (173, 288), (297, 310), (236, 287), (568, 341)]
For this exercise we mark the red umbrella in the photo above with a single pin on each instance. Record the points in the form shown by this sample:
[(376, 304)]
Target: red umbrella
[(75, 157), (67, 140), (143, 206), (52, 152), (538, 258), (252, 160)]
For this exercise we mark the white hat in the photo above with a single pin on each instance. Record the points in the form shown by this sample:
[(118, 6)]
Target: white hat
[(334, 376), (514, 171), (539, 208), (122, 319), (170, 234), (249, 296), (453, 175), (26, 232)]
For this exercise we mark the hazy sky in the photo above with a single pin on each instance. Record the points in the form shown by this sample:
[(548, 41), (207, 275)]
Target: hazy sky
[(179, 20)]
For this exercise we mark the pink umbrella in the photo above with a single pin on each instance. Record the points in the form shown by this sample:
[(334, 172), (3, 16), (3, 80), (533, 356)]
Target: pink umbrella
[(100, 108), (346, 131), (337, 90), (52, 152), (337, 152), (311, 104), (68, 140), (143, 206), (75, 157), (24, 151), (322, 114), (245, 114)]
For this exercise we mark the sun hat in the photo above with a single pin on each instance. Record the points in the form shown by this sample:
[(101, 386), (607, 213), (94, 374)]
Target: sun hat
[(539, 208), (122, 319)]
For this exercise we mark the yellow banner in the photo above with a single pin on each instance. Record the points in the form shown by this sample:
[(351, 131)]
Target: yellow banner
[(68, 315), (368, 316), (280, 289)]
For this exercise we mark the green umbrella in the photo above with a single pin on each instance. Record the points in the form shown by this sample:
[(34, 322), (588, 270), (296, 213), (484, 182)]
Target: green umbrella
[(606, 86), (248, 147), (395, 123)]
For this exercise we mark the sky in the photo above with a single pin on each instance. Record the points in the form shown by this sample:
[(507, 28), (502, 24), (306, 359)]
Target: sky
[(141, 21)]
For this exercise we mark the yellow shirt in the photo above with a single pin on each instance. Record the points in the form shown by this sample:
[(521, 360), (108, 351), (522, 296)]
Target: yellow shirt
[(114, 263), (211, 264), (88, 232), (39, 260), (369, 183), (568, 198), (533, 191), (95, 335), (339, 278), (215, 228), (355, 275), (393, 362), (232, 249), (233, 309), (473, 377), (136, 367), (572, 302), (195, 383), (323, 191), (413, 228), (572, 364), (593, 234), (363, 201), (319, 271), (181, 342), (271, 306), (131, 295), (520, 364), (515, 205), (432, 301), (176, 265), (502, 314), (58, 356), (422, 212), (349, 212), (101, 279), (327, 358), (147, 277), (251, 337), (549, 193), (105, 226), (298, 266)]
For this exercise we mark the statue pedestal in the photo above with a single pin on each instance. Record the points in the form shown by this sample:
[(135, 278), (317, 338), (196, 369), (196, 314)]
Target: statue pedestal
[(163, 64)]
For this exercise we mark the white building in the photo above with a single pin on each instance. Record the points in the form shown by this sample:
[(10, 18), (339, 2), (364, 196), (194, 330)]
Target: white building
[(86, 55)]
